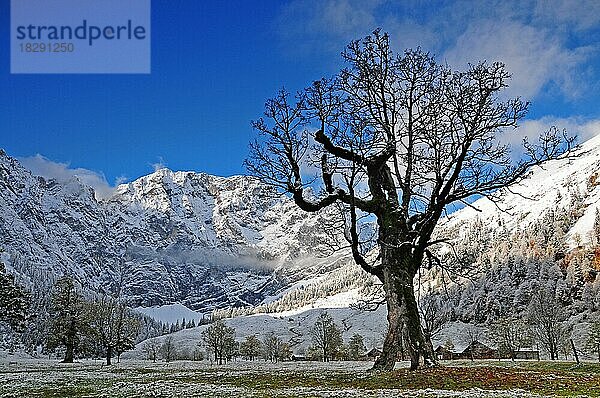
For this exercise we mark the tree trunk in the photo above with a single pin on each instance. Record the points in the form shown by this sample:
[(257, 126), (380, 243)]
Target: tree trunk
[(404, 324), (574, 351), (68, 353), (429, 345), (387, 359), (109, 353), (416, 342)]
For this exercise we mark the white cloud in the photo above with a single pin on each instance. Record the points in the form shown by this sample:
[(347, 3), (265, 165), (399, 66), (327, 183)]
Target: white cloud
[(578, 14), (544, 43), (327, 24), (584, 129), (533, 56), (160, 164), (42, 166)]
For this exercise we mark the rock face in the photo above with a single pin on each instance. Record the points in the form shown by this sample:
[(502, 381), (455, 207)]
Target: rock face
[(205, 241)]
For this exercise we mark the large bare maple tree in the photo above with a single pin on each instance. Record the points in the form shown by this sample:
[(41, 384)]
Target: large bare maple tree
[(399, 138)]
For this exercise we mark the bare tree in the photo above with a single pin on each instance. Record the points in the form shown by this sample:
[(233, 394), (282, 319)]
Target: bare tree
[(168, 350), (548, 322), (356, 347), (220, 338), (251, 347), (274, 349), (399, 138), (472, 336), (510, 333), (433, 316), (151, 348), (326, 336), (113, 324)]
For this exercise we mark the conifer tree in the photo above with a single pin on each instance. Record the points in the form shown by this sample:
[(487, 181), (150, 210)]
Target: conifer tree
[(66, 316), (13, 301), (593, 337)]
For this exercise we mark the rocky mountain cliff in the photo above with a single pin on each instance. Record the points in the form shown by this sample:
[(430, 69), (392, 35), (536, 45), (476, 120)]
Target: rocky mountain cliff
[(205, 241)]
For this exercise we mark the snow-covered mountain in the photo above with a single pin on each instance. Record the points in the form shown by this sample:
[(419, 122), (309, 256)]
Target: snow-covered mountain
[(203, 241), (211, 242), (570, 182), (540, 235)]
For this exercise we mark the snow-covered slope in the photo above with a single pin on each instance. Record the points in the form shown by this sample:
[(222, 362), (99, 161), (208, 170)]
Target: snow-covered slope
[(572, 181), (293, 329)]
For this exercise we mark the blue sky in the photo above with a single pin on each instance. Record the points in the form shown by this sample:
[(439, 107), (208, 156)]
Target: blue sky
[(215, 63)]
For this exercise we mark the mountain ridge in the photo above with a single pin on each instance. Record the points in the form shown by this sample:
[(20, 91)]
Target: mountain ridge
[(187, 237)]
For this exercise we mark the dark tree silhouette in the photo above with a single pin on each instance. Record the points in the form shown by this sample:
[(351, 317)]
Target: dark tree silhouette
[(400, 138), (67, 317), (112, 324), (547, 317), (251, 347), (14, 301)]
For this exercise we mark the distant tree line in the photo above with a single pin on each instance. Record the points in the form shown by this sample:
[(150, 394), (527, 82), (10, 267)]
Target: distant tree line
[(218, 344)]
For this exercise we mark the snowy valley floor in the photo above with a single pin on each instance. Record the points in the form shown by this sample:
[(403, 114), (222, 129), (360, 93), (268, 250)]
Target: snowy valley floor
[(29, 378)]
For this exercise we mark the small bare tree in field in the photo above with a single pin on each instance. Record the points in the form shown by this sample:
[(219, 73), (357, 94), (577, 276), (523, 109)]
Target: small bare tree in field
[(547, 318), (396, 138), (251, 347), (152, 349), (274, 349), (326, 336), (433, 316), (220, 339), (510, 333), (168, 349)]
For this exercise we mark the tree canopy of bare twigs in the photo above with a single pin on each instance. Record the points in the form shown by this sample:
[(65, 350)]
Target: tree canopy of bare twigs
[(326, 336), (397, 138), (220, 339)]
